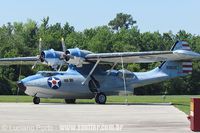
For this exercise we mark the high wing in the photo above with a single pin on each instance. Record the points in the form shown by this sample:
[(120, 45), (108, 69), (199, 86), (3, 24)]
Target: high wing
[(19, 61), (179, 51), (143, 57)]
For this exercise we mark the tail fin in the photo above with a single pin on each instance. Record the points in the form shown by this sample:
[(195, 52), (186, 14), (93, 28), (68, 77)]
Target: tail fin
[(177, 68), (181, 45)]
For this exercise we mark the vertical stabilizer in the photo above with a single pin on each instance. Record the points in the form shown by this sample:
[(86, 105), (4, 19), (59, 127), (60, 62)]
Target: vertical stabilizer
[(178, 68)]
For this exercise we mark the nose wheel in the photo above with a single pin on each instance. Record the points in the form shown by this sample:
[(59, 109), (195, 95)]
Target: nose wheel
[(36, 100), (100, 98)]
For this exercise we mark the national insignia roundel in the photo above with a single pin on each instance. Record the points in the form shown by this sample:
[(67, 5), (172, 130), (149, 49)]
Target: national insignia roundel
[(54, 82)]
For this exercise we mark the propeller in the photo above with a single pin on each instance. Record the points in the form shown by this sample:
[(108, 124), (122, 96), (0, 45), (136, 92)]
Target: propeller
[(40, 57), (66, 55)]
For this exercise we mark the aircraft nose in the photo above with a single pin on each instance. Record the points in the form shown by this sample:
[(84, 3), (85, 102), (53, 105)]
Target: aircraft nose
[(21, 85)]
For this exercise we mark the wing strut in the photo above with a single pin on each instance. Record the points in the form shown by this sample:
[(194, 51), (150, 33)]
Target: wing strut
[(20, 73), (112, 68), (126, 101), (83, 83)]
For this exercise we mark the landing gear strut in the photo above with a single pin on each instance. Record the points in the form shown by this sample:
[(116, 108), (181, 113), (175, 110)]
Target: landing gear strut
[(36, 100), (70, 101), (100, 98)]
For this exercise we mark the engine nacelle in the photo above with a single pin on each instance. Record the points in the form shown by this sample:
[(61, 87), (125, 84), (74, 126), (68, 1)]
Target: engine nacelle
[(51, 58), (76, 56), (73, 56)]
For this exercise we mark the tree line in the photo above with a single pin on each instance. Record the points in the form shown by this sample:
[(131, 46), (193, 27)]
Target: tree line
[(120, 35)]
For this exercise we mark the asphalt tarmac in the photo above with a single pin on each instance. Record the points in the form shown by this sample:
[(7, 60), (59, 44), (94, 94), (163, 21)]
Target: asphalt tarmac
[(58, 117)]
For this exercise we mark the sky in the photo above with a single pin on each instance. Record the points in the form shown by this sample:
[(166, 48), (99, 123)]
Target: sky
[(151, 15)]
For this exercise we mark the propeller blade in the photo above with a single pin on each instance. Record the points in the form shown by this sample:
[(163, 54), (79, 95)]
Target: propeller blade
[(66, 55), (34, 64), (63, 45), (45, 61), (38, 56), (40, 45)]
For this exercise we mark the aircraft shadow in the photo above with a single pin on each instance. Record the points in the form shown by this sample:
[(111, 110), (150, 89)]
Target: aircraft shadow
[(86, 103)]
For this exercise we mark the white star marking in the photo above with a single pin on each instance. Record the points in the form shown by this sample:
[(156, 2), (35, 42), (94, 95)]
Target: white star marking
[(54, 82)]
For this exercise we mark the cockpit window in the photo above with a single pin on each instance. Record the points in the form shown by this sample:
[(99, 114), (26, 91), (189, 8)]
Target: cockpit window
[(127, 75), (48, 74)]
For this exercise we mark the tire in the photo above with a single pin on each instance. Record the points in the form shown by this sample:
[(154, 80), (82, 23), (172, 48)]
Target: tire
[(70, 101), (100, 98), (36, 100)]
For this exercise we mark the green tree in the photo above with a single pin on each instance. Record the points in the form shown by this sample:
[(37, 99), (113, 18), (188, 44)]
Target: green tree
[(122, 21), (21, 39), (102, 41)]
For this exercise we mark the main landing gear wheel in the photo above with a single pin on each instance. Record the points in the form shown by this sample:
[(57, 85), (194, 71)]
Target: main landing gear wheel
[(70, 101), (36, 100), (100, 98)]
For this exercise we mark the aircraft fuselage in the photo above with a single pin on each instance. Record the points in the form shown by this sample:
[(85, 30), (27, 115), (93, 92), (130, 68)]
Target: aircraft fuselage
[(69, 84)]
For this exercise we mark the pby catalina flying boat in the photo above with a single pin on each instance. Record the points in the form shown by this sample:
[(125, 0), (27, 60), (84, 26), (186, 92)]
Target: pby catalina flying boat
[(87, 78)]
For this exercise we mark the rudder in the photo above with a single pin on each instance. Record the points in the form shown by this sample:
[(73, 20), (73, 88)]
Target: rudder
[(177, 68)]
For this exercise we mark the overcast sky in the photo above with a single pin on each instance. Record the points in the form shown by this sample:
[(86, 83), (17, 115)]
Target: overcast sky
[(151, 15)]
